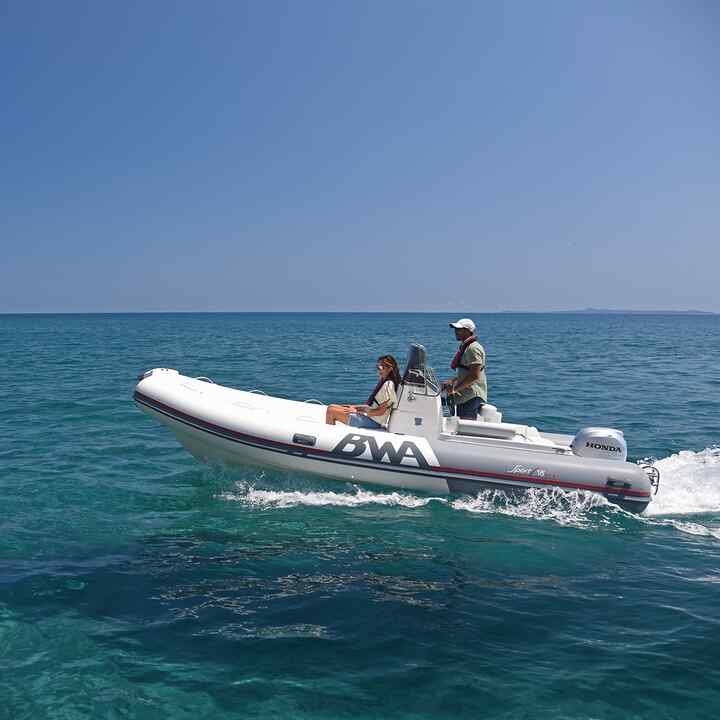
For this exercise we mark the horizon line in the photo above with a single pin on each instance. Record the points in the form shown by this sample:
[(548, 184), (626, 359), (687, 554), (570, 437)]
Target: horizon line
[(578, 311)]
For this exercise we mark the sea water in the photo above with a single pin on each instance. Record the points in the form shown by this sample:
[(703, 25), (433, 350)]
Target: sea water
[(136, 582)]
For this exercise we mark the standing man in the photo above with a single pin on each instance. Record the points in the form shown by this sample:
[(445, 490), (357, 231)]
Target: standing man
[(469, 386)]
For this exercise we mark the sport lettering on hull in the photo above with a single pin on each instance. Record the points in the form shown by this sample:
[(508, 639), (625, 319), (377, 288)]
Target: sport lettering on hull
[(360, 446)]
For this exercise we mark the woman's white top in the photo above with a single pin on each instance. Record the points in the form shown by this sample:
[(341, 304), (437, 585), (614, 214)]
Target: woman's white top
[(385, 393)]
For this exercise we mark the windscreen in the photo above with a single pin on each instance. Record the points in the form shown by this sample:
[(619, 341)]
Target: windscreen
[(417, 372)]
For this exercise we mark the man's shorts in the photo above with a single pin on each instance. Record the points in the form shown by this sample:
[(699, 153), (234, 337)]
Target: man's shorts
[(469, 410)]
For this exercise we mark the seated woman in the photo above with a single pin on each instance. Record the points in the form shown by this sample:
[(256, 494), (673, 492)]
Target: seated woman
[(375, 414)]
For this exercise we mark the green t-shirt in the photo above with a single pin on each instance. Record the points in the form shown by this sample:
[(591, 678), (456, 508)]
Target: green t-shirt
[(474, 355)]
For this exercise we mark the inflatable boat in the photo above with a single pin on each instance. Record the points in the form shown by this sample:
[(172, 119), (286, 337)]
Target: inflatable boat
[(425, 447)]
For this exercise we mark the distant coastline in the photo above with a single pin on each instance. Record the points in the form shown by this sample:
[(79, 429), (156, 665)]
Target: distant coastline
[(606, 311)]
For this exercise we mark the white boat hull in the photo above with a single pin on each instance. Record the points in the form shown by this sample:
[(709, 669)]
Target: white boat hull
[(240, 428)]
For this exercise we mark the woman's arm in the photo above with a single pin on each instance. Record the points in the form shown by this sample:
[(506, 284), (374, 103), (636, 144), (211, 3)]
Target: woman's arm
[(381, 409)]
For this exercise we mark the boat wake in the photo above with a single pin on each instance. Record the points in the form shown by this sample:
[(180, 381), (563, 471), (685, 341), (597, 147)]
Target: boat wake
[(576, 509), (690, 485), (250, 495)]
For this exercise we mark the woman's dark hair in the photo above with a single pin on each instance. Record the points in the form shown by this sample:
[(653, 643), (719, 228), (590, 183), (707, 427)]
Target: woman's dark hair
[(390, 362)]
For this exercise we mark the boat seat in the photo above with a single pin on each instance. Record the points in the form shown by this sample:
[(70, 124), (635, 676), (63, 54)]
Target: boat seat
[(379, 429), (506, 431), (480, 428), (489, 413)]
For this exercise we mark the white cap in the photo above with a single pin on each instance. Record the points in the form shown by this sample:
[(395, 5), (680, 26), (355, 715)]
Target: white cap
[(466, 323)]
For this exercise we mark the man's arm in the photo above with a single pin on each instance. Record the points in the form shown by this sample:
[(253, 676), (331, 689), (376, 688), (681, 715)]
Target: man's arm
[(473, 375)]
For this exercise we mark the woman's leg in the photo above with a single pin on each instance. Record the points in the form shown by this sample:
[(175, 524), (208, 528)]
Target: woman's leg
[(337, 412)]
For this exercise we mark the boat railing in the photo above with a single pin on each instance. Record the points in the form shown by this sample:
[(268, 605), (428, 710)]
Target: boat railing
[(432, 381), (423, 382)]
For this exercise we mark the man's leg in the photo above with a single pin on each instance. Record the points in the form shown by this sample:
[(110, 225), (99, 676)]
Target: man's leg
[(469, 410)]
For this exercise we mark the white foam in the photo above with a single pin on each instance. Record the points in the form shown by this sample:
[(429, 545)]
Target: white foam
[(562, 507), (691, 528), (292, 498), (689, 484)]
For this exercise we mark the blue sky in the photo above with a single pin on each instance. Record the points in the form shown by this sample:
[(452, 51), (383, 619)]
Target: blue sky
[(359, 156)]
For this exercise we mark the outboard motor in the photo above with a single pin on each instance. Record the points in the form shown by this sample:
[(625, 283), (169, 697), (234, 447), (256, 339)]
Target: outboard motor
[(598, 442)]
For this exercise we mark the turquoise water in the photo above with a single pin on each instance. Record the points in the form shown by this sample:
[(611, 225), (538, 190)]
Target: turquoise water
[(137, 583)]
